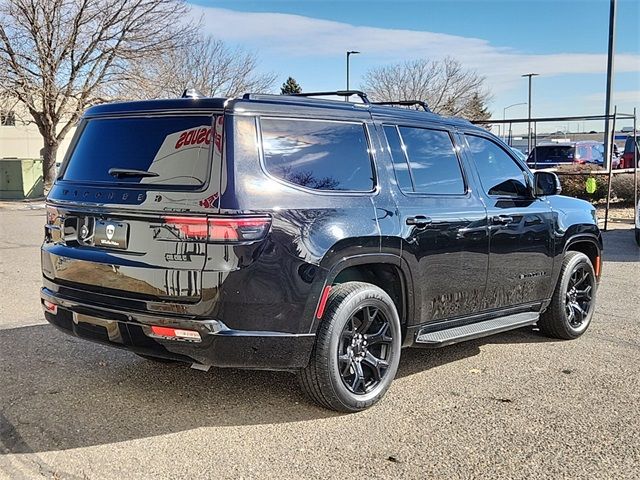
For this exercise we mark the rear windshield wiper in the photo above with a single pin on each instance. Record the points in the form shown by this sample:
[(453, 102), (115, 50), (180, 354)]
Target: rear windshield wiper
[(130, 172)]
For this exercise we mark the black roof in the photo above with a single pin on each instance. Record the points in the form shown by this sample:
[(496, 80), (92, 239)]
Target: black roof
[(272, 103)]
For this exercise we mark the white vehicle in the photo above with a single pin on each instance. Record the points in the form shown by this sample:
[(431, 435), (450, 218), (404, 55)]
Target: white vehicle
[(638, 223)]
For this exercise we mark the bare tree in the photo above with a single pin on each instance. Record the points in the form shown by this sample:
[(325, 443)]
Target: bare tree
[(206, 64), (59, 56), (8, 105), (446, 86)]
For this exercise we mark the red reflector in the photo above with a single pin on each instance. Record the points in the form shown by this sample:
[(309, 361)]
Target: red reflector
[(597, 267), (177, 333), (50, 307), (323, 301)]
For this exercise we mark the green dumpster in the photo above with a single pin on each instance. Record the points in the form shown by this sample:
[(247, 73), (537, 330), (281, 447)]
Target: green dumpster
[(20, 178)]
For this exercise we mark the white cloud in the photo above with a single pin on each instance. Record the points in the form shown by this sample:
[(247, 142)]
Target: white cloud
[(630, 96), (299, 36)]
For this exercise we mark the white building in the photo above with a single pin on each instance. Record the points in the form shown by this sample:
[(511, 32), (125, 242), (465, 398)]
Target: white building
[(20, 138)]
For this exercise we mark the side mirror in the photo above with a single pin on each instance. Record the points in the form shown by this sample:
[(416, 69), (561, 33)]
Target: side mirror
[(547, 183)]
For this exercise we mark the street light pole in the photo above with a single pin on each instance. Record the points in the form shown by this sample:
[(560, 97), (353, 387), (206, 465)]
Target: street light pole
[(504, 117), (529, 117), (349, 53), (607, 101)]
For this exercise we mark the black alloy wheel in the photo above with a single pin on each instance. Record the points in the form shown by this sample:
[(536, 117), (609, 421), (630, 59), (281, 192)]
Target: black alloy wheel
[(573, 303), (357, 349), (365, 347), (579, 295)]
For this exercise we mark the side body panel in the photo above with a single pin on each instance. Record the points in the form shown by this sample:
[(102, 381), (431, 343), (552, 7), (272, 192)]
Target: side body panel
[(311, 232), (446, 260), (522, 244)]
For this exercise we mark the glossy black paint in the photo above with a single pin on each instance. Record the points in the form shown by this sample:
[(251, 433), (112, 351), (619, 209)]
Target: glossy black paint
[(255, 303)]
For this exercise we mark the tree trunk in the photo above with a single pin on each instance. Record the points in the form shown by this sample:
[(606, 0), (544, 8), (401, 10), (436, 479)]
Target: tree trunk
[(49, 154)]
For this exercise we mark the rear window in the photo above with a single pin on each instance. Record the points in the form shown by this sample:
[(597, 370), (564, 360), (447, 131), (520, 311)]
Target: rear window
[(552, 154), (628, 144), (174, 150), (318, 154)]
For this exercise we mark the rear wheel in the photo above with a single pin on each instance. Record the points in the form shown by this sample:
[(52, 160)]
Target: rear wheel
[(573, 302), (357, 349)]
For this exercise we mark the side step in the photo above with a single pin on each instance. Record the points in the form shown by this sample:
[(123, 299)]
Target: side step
[(448, 336)]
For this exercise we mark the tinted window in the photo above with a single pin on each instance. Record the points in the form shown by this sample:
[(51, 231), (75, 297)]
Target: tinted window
[(176, 149), (318, 154), (628, 144), (400, 164), (499, 173), (552, 154), (433, 161)]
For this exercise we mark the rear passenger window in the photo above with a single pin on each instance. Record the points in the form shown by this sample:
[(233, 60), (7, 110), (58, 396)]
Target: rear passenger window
[(430, 158), (323, 155)]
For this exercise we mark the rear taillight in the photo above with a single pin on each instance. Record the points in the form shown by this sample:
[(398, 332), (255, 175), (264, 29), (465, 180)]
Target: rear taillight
[(219, 229)]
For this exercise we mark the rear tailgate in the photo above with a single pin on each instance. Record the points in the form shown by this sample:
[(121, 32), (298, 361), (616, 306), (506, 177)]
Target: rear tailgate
[(131, 234)]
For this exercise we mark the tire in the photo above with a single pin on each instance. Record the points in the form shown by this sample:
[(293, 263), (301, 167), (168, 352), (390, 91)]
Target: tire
[(156, 359), (341, 374), (638, 236), (571, 309)]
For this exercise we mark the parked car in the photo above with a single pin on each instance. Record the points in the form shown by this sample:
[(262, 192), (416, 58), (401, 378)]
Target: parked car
[(556, 154), (627, 159), (307, 235)]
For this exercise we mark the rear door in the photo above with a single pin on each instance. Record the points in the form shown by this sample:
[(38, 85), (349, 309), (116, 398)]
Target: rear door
[(521, 227), (122, 214), (443, 222)]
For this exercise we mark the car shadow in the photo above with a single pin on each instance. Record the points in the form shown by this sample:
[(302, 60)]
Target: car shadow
[(59, 392)]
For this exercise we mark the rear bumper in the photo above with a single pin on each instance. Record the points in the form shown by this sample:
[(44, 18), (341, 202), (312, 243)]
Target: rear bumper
[(219, 345)]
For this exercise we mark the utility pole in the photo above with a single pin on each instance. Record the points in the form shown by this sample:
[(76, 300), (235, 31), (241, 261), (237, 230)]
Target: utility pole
[(530, 75), (607, 102)]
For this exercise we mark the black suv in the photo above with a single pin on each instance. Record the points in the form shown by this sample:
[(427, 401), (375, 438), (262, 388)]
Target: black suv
[(308, 235)]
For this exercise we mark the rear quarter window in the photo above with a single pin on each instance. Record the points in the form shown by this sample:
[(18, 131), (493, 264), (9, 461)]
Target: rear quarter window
[(175, 149), (318, 154)]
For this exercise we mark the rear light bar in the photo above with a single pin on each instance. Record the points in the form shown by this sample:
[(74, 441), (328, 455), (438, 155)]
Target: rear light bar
[(219, 229), (175, 333)]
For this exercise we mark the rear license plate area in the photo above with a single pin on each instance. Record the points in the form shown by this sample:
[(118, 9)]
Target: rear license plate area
[(111, 234)]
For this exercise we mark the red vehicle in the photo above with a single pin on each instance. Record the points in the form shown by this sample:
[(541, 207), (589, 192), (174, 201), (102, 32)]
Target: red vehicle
[(627, 159)]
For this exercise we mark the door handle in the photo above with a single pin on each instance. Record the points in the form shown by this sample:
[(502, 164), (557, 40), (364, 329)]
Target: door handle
[(502, 219), (419, 221)]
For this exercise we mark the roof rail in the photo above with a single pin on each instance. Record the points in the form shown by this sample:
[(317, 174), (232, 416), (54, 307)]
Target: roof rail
[(339, 93), (406, 103)]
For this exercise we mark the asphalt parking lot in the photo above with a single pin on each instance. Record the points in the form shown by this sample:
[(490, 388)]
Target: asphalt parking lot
[(516, 405)]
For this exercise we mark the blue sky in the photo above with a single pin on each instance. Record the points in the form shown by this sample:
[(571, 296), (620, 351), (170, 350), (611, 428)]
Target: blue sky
[(564, 41)]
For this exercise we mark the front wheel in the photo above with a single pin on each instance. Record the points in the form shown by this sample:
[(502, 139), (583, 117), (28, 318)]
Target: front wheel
[(357, 349), (573, 303)]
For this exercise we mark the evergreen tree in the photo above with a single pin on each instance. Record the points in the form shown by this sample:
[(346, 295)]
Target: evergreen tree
[(290, 86), (476, 109)]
